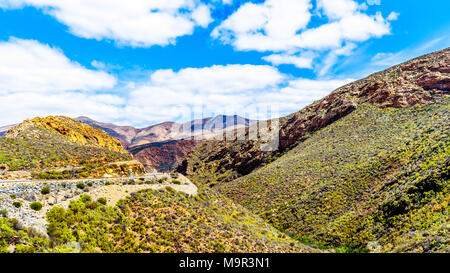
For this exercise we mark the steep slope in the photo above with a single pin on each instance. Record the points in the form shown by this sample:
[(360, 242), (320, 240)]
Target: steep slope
[(124, 134), (376, 179), (420, 81), (68, 128), (59, 147)]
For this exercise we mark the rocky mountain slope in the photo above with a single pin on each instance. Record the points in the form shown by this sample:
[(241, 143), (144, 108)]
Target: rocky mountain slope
[(366, 167), (132, 137), (419, 81), (163, 146), (163, 156), (377, 178), (61, 147)]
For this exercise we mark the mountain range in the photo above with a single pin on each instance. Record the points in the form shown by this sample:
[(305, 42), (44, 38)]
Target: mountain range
[(162, 146)]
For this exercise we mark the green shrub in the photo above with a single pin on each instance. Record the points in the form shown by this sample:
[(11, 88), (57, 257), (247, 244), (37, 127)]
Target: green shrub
[(13, 196), (45, 190), (37, 206), (81, 185), (102, 200), (85, 198), (176, 182), (17, 204), (90, 184)]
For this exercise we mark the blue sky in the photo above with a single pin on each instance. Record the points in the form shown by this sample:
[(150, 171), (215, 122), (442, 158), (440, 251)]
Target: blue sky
[(143, 62)]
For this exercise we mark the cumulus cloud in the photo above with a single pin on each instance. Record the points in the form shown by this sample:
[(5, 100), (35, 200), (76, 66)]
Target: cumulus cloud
[(135, 22), (233, 89), (393, 16), (302, 61), (282, 26), (36, 79), (27, 65)]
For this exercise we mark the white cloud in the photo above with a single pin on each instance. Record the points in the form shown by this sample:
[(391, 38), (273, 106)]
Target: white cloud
[(281, 26), (336, 9), (36, 79), (27, 65), (273, 23), (168, 94), (393, 16), (134, 22), (333, 56), (231, 89), (301, 61)]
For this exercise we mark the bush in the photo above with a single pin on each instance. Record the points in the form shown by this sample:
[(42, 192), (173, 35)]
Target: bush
[(102, 200), (45, 190), (81, 185), (85, 198), (90, 184), (17, 204), (3, 213), (37, 206), (13, 196), (176, 182)]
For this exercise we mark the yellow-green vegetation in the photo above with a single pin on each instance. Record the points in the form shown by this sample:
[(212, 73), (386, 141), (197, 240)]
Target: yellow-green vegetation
[(51, 150), (75, 131), (44, 145), (15, 238), (166, 221), (376, 177)]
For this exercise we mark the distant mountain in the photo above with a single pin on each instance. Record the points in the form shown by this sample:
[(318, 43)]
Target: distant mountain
[(163, 145), (201, 128), (4, 129)]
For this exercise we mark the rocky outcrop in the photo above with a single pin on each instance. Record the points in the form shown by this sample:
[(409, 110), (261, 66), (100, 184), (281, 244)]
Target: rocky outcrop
[(72, 130), (121, 169)]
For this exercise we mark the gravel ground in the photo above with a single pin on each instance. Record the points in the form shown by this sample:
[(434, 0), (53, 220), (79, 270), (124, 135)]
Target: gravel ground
[(62, 192)]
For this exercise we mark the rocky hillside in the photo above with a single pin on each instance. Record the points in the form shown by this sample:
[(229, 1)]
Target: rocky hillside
[(73, 130), (61, 148), (377, 179), (167, 131), (420, 81), (163, 156), (163, 146), (365, 168)]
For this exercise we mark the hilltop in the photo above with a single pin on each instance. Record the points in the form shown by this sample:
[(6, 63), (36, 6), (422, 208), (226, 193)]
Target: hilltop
[(61, 147)]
